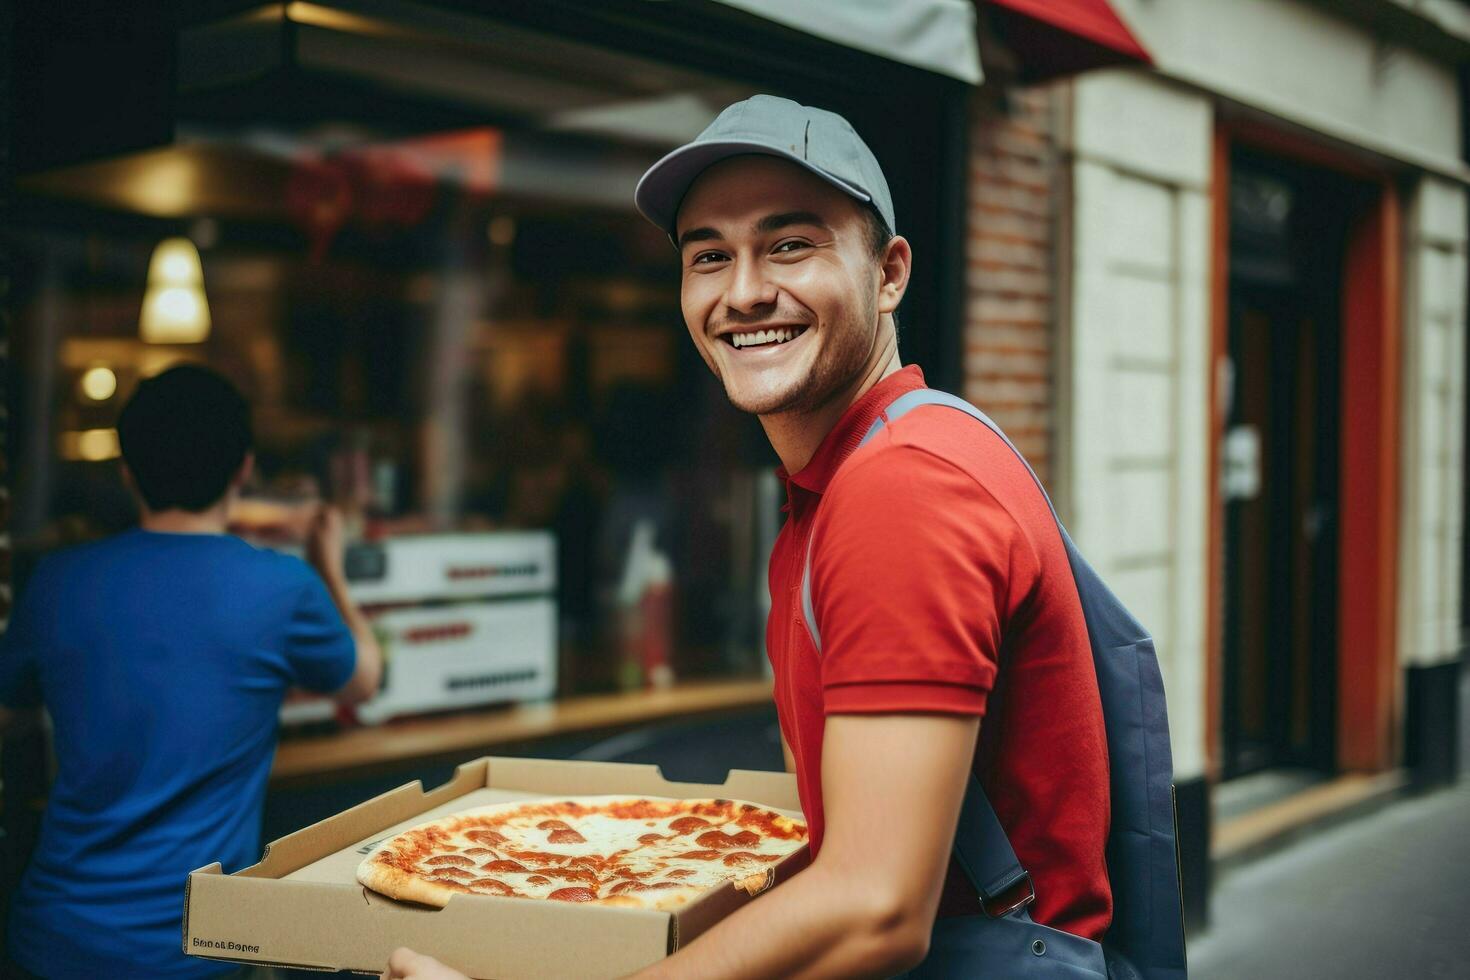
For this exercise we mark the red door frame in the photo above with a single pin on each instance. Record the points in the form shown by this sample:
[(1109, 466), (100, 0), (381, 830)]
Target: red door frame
[(1367, 649)]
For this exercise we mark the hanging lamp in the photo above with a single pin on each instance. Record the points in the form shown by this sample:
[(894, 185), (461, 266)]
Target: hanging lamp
[(175, 310)]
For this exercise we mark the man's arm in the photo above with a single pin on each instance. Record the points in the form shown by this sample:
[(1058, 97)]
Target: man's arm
[(324, 549), (368, 673), (891, 787)]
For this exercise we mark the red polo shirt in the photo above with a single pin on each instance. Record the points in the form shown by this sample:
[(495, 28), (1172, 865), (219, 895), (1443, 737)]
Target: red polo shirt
[(940, 584)]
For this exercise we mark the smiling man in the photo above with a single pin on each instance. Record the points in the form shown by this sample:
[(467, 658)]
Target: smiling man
[(937, 577)]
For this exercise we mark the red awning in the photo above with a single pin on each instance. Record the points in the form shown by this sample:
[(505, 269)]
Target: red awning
[(1063, 37)]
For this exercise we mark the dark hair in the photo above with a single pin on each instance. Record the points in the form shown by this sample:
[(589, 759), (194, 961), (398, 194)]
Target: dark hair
[(184, 435), (879, 235)]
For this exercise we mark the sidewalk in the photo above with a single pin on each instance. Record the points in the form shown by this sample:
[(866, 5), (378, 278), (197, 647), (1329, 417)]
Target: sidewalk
[(1384, 896)]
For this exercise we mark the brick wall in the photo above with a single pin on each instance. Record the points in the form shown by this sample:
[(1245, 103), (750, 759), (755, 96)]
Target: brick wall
[(1010, 267)]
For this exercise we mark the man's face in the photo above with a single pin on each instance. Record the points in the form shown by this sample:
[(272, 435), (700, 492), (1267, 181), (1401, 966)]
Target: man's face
[(779, 284)]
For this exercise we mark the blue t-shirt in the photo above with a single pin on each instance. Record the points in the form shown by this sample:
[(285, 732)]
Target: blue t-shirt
[(163, 659)]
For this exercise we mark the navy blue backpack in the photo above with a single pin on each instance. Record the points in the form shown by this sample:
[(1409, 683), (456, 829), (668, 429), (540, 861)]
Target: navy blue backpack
[(1146, 938)]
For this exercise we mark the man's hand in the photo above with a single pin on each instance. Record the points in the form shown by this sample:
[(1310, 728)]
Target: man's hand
[(405, 964), (324, 544), (324, 549)]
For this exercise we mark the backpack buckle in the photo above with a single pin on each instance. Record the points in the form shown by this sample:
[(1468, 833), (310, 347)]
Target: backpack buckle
[(1013, 903)]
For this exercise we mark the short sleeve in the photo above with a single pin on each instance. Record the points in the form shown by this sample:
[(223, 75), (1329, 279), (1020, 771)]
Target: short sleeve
[(913, 568), (20, 685), (319, 647)]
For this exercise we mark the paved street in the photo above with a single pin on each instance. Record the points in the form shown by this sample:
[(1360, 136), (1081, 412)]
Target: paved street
[(1386, 896)]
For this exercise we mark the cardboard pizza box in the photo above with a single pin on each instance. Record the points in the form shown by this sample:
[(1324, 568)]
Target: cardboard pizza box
[(301, 905)]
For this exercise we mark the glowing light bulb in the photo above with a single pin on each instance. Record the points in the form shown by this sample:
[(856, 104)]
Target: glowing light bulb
[(98, 384), (175, 262)]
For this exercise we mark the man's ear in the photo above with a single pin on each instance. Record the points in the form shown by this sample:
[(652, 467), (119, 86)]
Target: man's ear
[(242, 475), (894, 268), (131, 482)]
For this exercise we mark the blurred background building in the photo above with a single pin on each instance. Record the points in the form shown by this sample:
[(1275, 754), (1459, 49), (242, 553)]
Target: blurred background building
[(1205, 260)]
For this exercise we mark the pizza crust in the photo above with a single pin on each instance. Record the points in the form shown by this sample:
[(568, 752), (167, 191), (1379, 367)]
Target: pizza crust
[(754, 884), (661, 901), (390, 881)]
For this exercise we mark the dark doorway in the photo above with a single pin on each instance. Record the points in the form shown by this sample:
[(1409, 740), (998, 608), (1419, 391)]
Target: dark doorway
[(1288, 239)]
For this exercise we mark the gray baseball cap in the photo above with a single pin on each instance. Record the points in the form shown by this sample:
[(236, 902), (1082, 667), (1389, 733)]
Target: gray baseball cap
[(820, 141)]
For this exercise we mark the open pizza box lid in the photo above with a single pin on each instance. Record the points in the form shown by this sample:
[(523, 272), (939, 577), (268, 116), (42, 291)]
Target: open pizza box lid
[(302, 906)]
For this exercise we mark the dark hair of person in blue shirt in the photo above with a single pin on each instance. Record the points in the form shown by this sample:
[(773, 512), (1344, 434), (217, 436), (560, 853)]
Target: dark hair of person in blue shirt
[(184, 434)]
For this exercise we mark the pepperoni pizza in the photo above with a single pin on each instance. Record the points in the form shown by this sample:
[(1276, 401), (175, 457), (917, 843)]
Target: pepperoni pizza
[(638, 852)]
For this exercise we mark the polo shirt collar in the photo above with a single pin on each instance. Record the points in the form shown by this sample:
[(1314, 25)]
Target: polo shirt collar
[(850, 429)]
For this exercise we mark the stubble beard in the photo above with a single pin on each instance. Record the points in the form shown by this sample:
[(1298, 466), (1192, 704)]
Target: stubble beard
[(830, 375)]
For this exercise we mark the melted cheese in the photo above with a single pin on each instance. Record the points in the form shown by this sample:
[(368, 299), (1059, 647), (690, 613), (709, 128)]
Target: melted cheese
[(614, 849)]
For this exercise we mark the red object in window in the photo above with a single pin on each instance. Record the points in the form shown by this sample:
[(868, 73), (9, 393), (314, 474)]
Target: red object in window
[(393, 190), (429, 634), (1063, 37), (457, 572), (657, 620), (319, 199)]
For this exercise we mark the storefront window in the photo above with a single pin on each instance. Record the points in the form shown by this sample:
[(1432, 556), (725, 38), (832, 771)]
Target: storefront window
[(421, 263)]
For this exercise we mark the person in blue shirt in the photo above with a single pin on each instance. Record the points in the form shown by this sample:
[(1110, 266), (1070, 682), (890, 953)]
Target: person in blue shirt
[(162, 656)]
